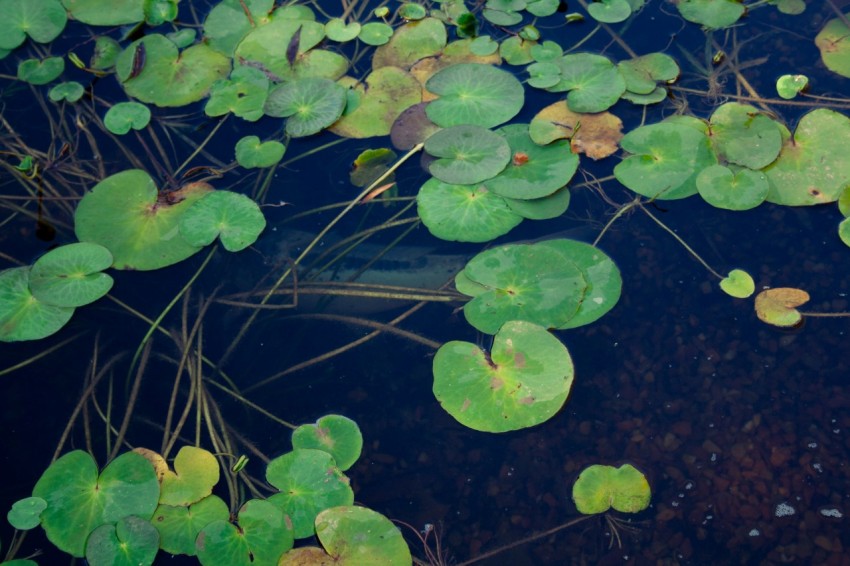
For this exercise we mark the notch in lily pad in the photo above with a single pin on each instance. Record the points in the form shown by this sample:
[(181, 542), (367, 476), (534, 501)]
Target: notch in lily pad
[(22, 316), (600, 488), (789, 86), (337, 435), (779, 306), (251, 153), (233, 217)]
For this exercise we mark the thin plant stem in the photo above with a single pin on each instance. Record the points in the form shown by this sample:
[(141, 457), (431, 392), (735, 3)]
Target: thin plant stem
[(38, 356), (131, 402), (682, 242)]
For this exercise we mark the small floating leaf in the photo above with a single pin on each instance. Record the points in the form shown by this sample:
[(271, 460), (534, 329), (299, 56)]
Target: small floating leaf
[(128, 542), (713, 14), (778, 306), (126, 116), (71, 275), (179, 526), (738, 284), (22, 316), (233, 217), (599, 488), (25, 513), (744, 136), (733, 190), (467, 154), (337, 30), (196, 472), (375, 33), (41, 72), (337, 435), (244, 94), (789, 86), (251, 153), (70, 91)]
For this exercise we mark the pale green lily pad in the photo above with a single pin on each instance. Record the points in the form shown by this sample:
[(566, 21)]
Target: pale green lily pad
[(844, 202), (738, 284), (516, 51), (778, 306), (70, 91), (464, 213), (337, 435), (643, 73), (610, 11), (593, 82), (263, 535), (309, 481), (599, 488), (744, 136), (471, 93), (126, 116), (523, 382), (170, 77), (356, 535), (546, 51), (722, 187), (106, 51), (41, 20), (22, 316), (227, 23), (834, 47), (310, 105), (131, 541), (533, 171), (467, 154), (71, 275), (126, 214), (196, 472), (41, 72), (654, 97), (375, 33), (411, 12), (372, 108), (112, 13), (523, 282), (545, 208), (158, 12), (183, 38), (244, 94), (789, 86), (337, 30), (712, 14), (25, 514), (79, 500), (410, 43), (233, 217), (483, 46), (543, 75), (269, 47), (251, 153), (179, 526), (667, 158), (810, 170), (542, 8)]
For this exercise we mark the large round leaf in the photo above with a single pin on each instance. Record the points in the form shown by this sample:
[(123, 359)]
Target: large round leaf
[(337, 435), (126, 214), (744, 136), (129, 542), (358, 536), (41, 20), (464, 213), (599, 488), (471, 93), (410, 43), (467, 154), (835, 47), (79, 501), (524, 381), (22, 316), (310, 104), (112, 13), (233, 217), (71, 276), (227, 22), (593, 81)]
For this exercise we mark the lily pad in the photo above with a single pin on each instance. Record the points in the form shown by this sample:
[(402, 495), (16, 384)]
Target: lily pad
[(545, 208), (337, 30), (131, 541), (22, 316), (744, 136), (722, 187), (516, 51), (195, 474), (643, 73), (534, 171), (834, 46), (244, 94), (106, 51), (610, 11), (310, 105), (169, 77), (593, 80), (179, 526), (712, 14), (233, 217), (71, 275), (464, 213), (789, 86), (375, 33), (126, 116), (25, 513), (226, 24), (595, 135), (468, 154), (809, 170), (127, 215), (476, 94), (357, 535), (599, 488), (738, 284), (779, 306), (410, 43), (40, 20), (41, 72), (251, 153), (337, 435), (523, 382), (112, 13), (70, 91), (263, 535)]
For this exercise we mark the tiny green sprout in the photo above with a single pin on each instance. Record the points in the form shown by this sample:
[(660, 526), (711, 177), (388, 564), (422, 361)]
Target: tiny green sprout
[(28, 167), (75, 59), (574, 18), (381, 12), (718, 57), (240, 464)]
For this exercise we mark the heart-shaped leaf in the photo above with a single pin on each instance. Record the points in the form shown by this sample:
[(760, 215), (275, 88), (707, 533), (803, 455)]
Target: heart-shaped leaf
[(738, 284), (467, 154), (733, 190), (71, 275), (778, 306), (337, 435), (195, 473), (599, 488), (251, 153), (233, 217), (124, 116)]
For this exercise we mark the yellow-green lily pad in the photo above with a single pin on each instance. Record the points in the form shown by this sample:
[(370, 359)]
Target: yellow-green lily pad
[(738, 284), (22, 316), (599, 488), (779, 306), (71, 275)]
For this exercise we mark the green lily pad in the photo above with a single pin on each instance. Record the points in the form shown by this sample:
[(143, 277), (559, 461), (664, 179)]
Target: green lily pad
[(337, 435), (542, 8), (844, 202), (789, 86), (227, 23), (834, 47), (543, 75), (70, 91), (533, 171), (195, 474), (544, 208), (523, 382), (844, 231), (712, 14), (169, 77), (411, 12), (722, 187), (79, 500), (126, 214), (158, 12), (112, 13), (643, 73), (375, 33), (131, 541), (471, 93), (523, 282), (337, 30), (778, 306), (370, 165), (244, 94), (233, 217), (744, 136), (22, 316), (25, 513), (593, 80), (310, 105), (516, 51), (610, 11), (467, 154), (654, 97), (667, 158), (599, 488), (309, 481), (182, 38), (595, 135), (41, 20), (464, 213), (410, 43), (357, 535), (106, 51), (483, 46), (126, 116), (251, 153), (71, 275), (263, 535), (738, 284), (179, 526), (41, 72), (809, 170), (372, 108)]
